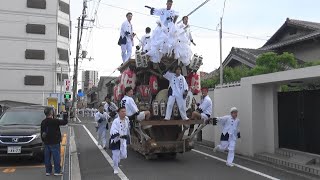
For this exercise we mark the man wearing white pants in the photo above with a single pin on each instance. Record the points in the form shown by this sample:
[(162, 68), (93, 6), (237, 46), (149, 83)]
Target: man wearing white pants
[(119, 133), (126, 38), (177, 92), (230, 133), (102, 118), (204, 110)]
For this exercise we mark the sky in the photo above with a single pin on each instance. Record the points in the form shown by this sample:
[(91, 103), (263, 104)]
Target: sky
[(253, 21)]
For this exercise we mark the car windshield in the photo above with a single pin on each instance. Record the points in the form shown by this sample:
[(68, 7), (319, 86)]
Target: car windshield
[(22, 118)]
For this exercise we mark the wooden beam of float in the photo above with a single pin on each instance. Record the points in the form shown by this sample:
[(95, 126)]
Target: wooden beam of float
[(170, 122)]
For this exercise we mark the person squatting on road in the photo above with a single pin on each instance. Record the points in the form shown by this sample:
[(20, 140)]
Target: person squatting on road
[(178, 91), (51, 137), (110, 107), (102, 118), (119, 133), (126, 38), (204, 110), (230, 133)]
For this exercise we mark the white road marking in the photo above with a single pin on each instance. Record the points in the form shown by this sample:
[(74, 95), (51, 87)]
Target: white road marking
[(121, 175), (237, 165), (79, 120)]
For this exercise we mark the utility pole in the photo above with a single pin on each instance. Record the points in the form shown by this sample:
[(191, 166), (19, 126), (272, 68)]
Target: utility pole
[(80, 28), (221, 67), (61, 83), (75, 77)]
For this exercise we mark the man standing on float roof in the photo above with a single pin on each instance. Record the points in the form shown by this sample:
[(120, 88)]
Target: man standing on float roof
[(126, 38), (167, 15)]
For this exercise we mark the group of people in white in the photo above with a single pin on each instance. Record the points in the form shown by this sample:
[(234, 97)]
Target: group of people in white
[(128, 111), (168, 38)]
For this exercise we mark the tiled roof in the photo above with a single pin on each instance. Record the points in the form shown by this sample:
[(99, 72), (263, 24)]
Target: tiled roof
[(312, 35), (248, 54), (313, 32)]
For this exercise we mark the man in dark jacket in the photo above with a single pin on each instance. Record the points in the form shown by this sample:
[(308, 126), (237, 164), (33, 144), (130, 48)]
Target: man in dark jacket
[(51, 137)]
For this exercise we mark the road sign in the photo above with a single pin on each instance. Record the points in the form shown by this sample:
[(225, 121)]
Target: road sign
[(67, 85)]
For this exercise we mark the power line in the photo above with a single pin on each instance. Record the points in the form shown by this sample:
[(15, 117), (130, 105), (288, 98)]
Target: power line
[(113, 6), (200, 27), (235, 34)]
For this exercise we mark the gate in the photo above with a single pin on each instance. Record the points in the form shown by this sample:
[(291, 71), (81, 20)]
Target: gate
[(299, 120)]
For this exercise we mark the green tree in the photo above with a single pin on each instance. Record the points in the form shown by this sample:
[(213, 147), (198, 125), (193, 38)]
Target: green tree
[(235, 74), (271, 62)]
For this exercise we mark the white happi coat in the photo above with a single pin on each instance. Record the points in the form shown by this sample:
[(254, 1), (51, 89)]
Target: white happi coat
[(206, 107), (179, 86), (130, 105), (126, 49), (145, 42), (229, 125), (113, 107), (164, 13), (187, 32), (126, 27), (119, 128)]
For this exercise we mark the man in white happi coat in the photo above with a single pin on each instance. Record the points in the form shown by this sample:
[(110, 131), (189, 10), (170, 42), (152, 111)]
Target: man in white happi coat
[(177, 92), (167, 15), (145, 41), (126, 38), (101, 119), (110, 107), (230, 133), (204, 110), (186, 28), (119, 132), (132, 110)]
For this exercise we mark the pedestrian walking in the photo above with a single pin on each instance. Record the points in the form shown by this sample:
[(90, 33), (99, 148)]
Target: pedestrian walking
[(51, 137), (119, 133), (102, 118), (110, 107), (230, 133)]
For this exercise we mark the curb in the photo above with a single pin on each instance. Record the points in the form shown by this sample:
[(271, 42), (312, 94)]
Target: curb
[(74, 161)]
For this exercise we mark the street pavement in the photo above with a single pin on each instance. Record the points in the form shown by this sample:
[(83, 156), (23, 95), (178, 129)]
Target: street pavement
[(199, 164), (96, 163), (28, 168)]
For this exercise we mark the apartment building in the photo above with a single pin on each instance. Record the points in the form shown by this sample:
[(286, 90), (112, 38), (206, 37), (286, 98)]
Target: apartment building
[(34, 49)]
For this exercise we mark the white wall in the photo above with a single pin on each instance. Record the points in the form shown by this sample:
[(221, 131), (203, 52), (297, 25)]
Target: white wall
[(257, 102)]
